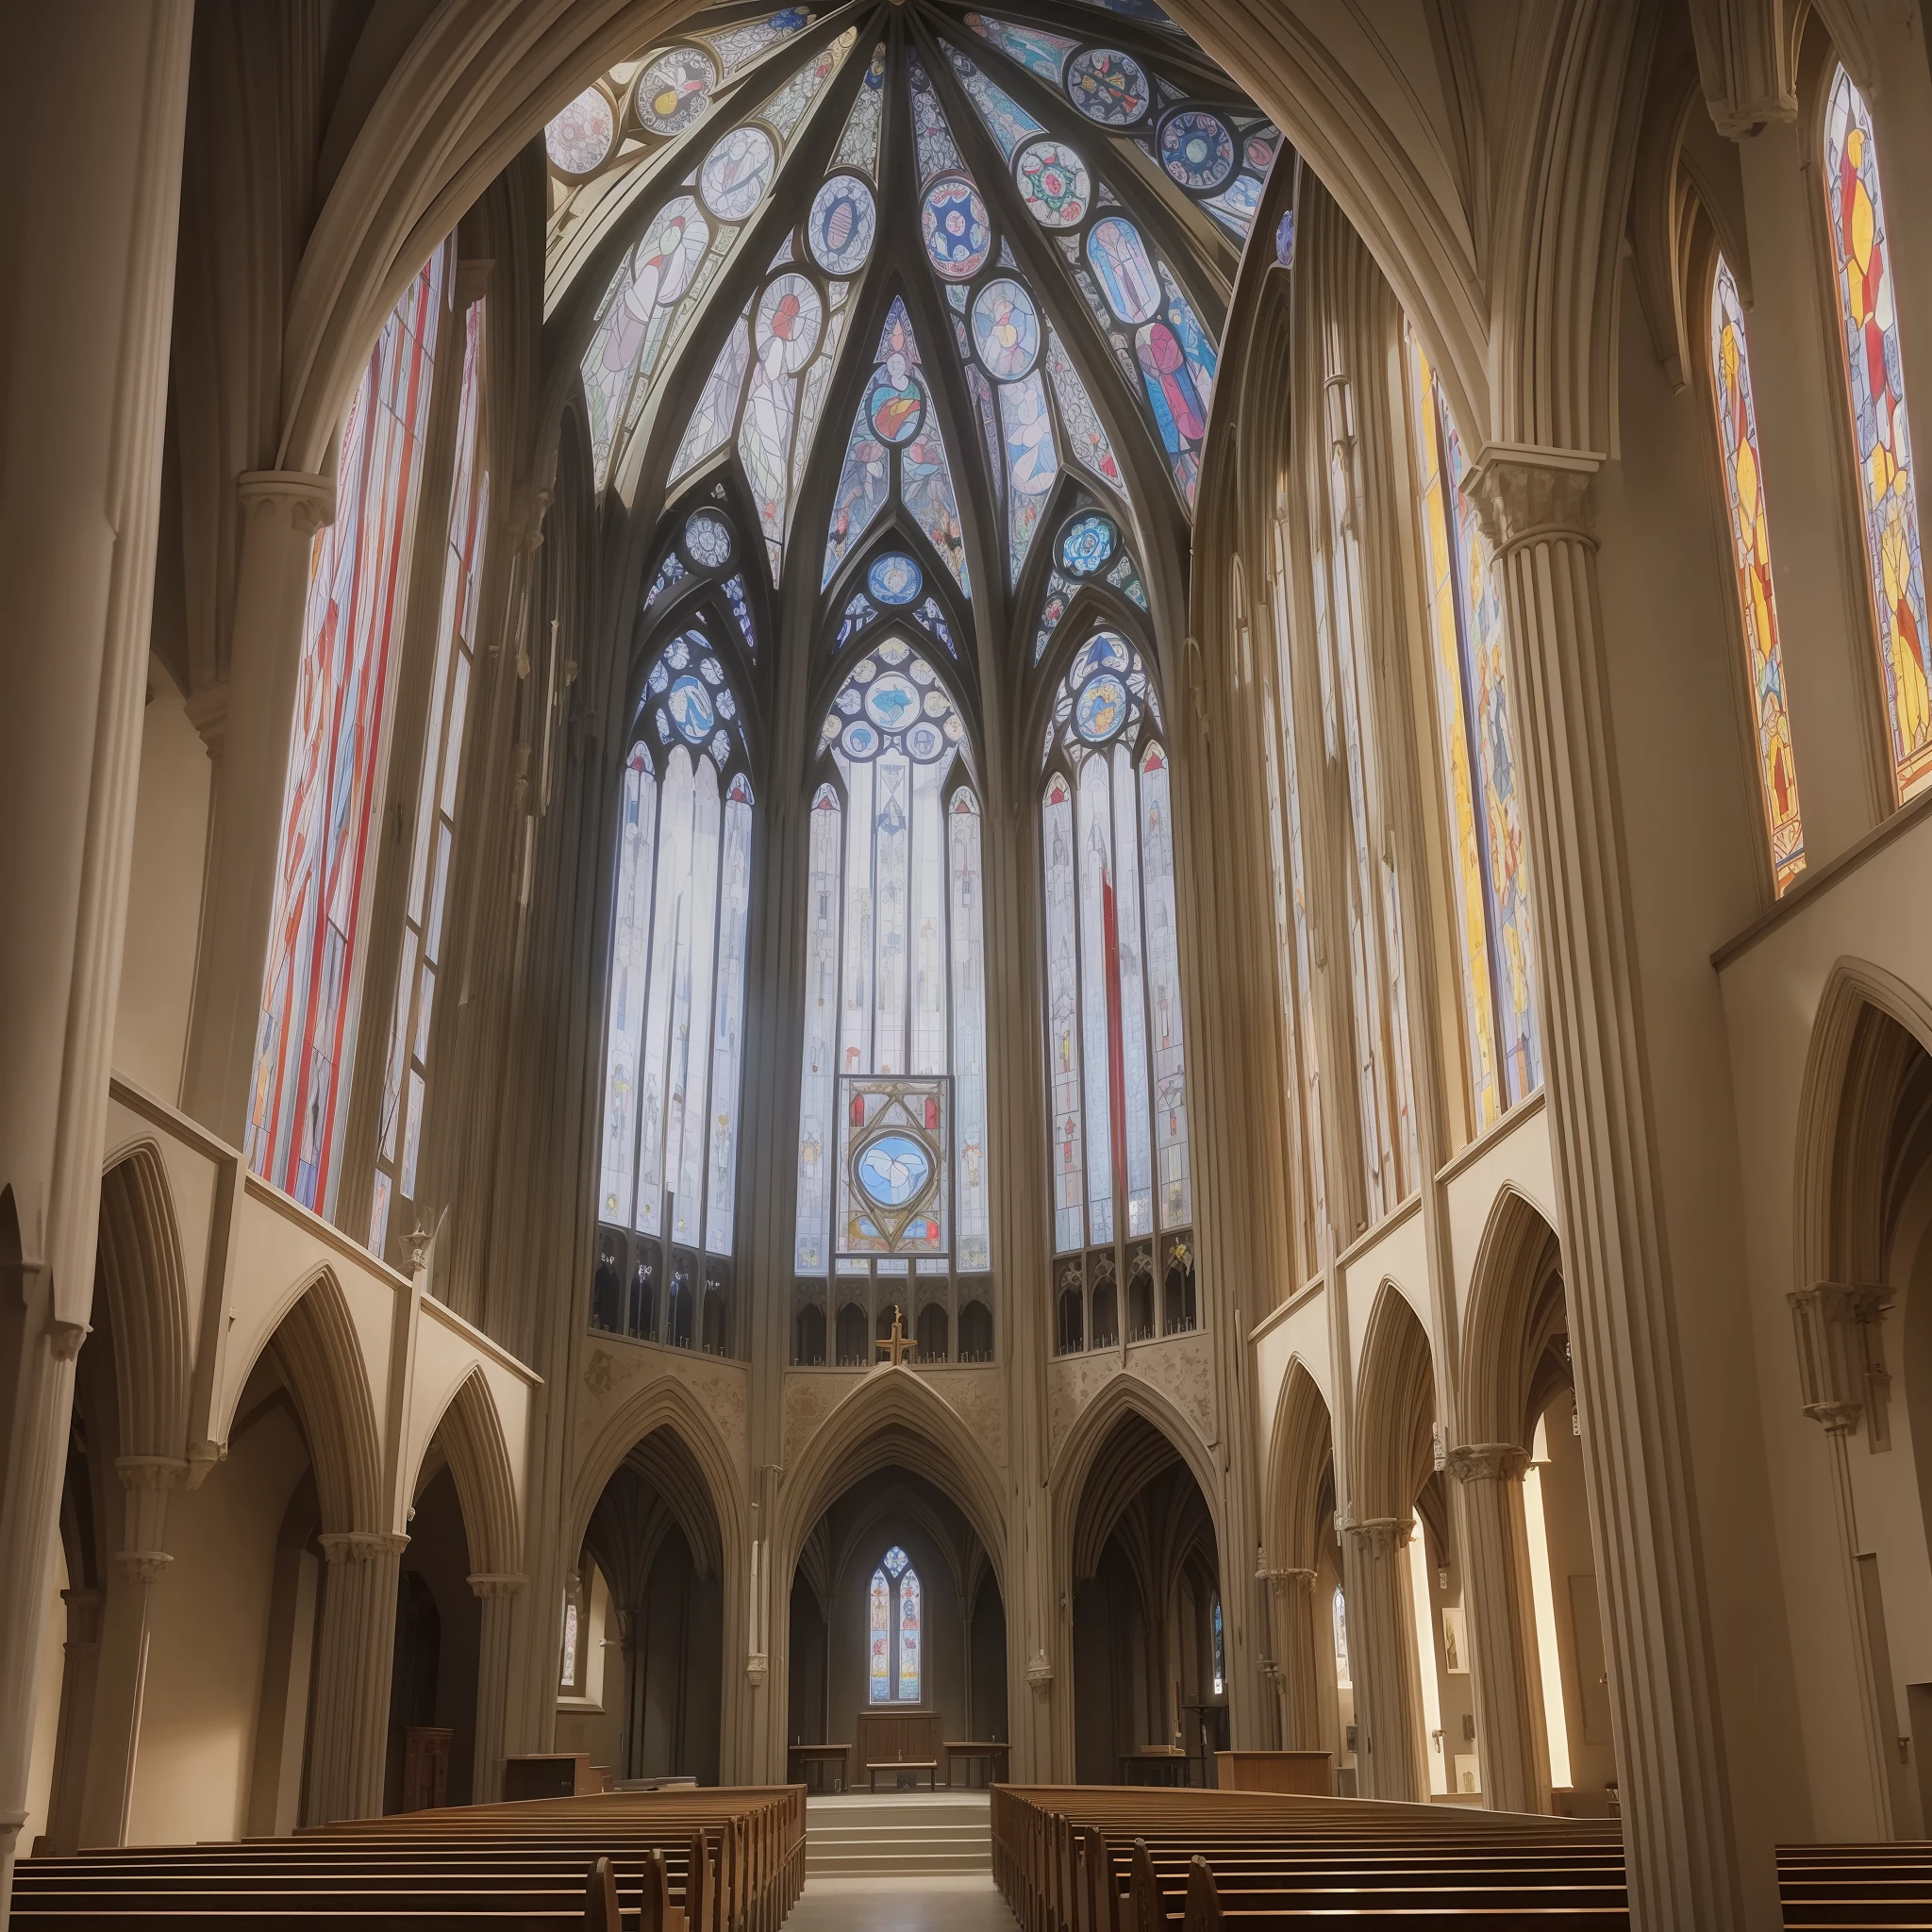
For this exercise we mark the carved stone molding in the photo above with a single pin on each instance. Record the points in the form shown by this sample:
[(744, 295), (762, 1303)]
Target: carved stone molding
[(143, 1566), (1524, 493), (489, 1584), (1743, 63), (362, 1545), (306, 500), (1487, 1462), (1836, 1327), (1386, 1531), (1039, 1673)]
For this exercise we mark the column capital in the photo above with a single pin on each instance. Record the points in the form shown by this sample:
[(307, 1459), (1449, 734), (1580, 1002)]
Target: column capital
[(362, 1545), (306, 499), (1390, 1531), (1524, 493), (1487, 1462), (143, 1566), (494, 1583), (1834, 1324), (159, 1472), (1282, 1581), (84, 1608)]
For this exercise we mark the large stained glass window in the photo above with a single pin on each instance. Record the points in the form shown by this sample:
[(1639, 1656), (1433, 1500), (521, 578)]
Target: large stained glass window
[(1116, 1062), (673, 1058), (1488, 866), (1750, 526), (1881, 431), (892, 1183), (406, 1070), (893, 1609), (358, 576)]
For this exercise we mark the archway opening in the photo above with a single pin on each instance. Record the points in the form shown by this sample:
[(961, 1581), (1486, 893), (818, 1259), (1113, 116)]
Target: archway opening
[(641, 1677), (898, 1631), (1150, 1682)]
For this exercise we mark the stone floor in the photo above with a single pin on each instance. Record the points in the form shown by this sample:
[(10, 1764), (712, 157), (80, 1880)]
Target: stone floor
[(924, 1904)]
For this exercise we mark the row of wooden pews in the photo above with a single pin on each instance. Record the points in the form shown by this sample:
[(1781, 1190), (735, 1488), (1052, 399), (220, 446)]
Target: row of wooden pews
[(1837, 1887), (685, 1860), (1102, 1858)]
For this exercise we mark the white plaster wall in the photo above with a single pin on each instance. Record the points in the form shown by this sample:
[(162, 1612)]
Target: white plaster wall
[(163, 893), (1515, 1154), (208, 1633)]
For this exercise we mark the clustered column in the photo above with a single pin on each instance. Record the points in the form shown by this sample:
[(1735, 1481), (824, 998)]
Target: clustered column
[(348, 1746), (1390, 1751), (498, 1596), (1502, 1626), (1292, 1592)]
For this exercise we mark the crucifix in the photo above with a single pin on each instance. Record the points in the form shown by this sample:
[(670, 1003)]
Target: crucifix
[(896, 1346)]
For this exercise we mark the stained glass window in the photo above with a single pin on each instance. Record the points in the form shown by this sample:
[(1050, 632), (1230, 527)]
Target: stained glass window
[(1881, 430), (1116, 1057), (673, 1058), (351, 624), (1750, 524), (893, 1608), (1489, 865), (894, 956), (406, 1074)]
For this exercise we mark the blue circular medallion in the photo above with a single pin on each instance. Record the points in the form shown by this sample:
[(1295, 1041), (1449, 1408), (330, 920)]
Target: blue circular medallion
[(895, 578), (1086, 544), (690, 710), (957, 234), (1101, 709), (893, 1170), (841, 227), (1197, 149)]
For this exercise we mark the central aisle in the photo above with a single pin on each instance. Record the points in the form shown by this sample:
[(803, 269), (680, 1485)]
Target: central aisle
[(898, 1835), (943, 1903)]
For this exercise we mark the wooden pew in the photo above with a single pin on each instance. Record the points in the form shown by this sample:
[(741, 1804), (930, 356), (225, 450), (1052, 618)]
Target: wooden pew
[(681, 1861), (1114, 1859), (1855, 1885)]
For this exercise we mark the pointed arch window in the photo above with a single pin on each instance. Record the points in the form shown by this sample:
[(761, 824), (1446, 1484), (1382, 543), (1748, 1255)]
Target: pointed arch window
[(894, 1629), (1116, 1056), (674, 1054), (1750, 526), (893, 1179), (1881, 431), (1490, 867), (405, 1072), (351, 625)]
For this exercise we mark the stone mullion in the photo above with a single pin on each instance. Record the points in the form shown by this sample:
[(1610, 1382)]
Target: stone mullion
[(1678, 1833)]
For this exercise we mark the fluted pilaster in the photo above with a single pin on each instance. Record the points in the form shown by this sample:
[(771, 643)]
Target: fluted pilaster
[(1511, 1742), (498, 1596), (1391, 1760), (1537, 507), (1292, 1597), (348, 1744)]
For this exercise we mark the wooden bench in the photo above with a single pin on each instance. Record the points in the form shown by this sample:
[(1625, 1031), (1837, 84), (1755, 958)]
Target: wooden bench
[(682, 1861), (1117, 1860), (929, 1765), (1855, 1885)]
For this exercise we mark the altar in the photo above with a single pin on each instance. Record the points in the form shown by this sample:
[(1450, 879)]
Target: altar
[(904, 1739)]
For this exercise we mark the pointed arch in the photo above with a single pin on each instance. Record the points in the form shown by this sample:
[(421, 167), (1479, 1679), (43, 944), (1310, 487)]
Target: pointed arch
[(1395, 1411), (320, 1354), (471, 1433), (146, 1286), (1870, 1032), (1301, 1466), (1517, 1277)]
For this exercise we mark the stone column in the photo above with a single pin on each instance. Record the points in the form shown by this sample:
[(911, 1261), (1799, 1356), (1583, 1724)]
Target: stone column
[(120, 1675), (77, 1678), (1296, 1650), (1512, 1745), (91, 257), (350, 1741), (1390, 1750), (1537, 510), (498, 1595), (245, 725), (1830, 1322)]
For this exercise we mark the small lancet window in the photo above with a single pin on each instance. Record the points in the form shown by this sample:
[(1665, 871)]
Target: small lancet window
[(894, 1629), (1750, 526)]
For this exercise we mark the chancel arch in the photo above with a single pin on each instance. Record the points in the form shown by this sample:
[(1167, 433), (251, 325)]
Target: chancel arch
[(1301, 1560)]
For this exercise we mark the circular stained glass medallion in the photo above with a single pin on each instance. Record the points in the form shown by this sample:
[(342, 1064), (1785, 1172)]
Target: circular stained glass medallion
[(1197, 149), (1086, 544), (1006, 329), (841, 225), (861, 740), (925, 741), (953, 220), (894, 404), (737, 173), (707, 539), (789, 319), (1108, 86), (892, 702), (1054, 184), (895, 578), (690, 710), (1101, 709), (675, 89), (579, 137), (893, 1170)]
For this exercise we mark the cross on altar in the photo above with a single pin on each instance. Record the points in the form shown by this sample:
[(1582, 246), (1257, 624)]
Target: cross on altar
[(896, 1345)]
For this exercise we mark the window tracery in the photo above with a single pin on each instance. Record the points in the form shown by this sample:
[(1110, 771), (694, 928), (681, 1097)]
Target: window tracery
[(894, 1625)]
